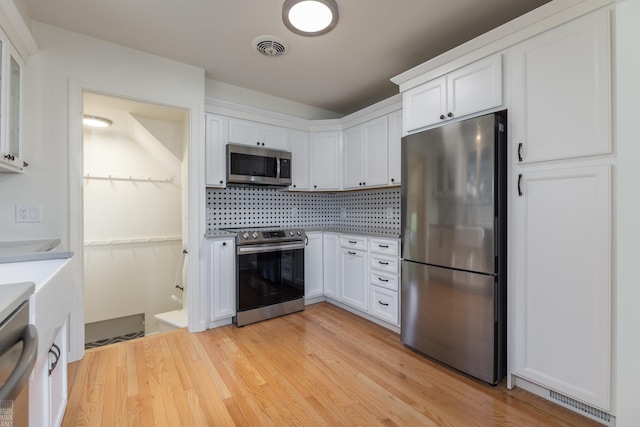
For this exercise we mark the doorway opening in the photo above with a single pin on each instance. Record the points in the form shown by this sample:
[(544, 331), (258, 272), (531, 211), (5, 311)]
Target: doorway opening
[(135, 194)]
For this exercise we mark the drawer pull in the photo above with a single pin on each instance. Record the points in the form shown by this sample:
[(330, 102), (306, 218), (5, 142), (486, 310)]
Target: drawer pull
[(351, 253), (383, 263), (383, 280), (353, 242), (383, 246), (386, 304)]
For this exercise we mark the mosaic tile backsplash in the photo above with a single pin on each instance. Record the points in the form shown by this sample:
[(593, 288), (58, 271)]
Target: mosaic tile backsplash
[(363, 211)]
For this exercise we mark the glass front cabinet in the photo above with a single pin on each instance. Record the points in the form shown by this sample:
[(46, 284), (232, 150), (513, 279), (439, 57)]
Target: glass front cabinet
[(11, 78)]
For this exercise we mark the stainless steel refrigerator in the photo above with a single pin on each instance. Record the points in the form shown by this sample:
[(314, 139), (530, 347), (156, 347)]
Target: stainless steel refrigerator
[(453, 220)]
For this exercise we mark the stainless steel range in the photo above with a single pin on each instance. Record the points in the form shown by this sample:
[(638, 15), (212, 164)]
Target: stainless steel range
[(269, 273)]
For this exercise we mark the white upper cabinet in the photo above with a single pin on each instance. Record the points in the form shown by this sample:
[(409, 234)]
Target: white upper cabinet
[(561, 91), (299, 160), (353, 155), (467, 90), (395, 147), (376, 144), (365, 151), (258, 134), (324, 155), (215, 152), (11, 78)]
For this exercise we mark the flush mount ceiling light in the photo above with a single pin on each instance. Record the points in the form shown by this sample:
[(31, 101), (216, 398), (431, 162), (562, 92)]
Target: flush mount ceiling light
[(96, 122), (310, 17)]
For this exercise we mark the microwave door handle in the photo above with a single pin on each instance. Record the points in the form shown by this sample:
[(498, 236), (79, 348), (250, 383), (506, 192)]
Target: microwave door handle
[(278, 167)]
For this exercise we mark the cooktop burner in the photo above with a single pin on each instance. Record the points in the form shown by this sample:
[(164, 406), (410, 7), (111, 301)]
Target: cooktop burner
[(250, 236)]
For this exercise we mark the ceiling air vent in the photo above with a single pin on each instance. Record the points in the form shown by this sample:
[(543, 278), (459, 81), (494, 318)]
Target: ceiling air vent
[(271, 46)]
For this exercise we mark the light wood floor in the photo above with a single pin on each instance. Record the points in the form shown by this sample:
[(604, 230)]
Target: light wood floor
[(323, 366)]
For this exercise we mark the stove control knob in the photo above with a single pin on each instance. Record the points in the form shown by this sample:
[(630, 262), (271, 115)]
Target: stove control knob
[(299, 234), (291, 233), (245, 235), (254, 235)]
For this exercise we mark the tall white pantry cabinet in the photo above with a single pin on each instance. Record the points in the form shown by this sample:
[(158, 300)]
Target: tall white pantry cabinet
[(560, 278)]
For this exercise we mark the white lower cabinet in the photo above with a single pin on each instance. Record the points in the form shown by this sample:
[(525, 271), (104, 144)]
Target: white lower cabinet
[(353, 278), (383, 304), (313, 274), (561, 289), (48, 386), (384, 279), (221, 277), (330, 262)]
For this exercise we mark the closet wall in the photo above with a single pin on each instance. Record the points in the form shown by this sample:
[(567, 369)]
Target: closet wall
[(133, 218)]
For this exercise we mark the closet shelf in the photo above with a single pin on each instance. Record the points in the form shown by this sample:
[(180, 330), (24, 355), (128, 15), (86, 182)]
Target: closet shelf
[(118, 177), (133, 240)]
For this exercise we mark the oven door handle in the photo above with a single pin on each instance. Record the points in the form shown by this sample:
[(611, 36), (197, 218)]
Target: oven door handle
[(20, 376), (269, 247)]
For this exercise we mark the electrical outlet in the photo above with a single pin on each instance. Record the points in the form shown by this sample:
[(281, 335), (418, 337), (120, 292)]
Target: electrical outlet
[(28, 213)]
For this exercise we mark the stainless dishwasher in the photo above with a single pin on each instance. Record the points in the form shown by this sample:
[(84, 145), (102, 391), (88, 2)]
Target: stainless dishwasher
[(18, 347)]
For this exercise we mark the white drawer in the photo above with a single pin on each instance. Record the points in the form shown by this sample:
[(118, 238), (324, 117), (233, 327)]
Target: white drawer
[(354, 242), (383, 304), (390, 247), (384, 280), (383, 263)]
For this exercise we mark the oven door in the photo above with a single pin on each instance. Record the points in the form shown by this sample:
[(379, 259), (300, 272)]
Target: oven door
[(269, 275)]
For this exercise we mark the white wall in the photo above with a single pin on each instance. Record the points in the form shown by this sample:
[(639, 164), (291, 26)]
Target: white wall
[(123, 279), (54, 79), (628, 212)]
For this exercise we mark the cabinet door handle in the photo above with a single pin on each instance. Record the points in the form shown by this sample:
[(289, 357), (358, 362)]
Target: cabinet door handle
[(351, 253), (224, 243), (519, 186), (383, 280), (386, 304), (383, 263), (55, 350), (520, 151), (441, 116), (449, 114)]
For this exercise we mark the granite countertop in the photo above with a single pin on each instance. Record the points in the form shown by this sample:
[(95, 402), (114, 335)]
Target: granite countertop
[(218, 234), (342, 230), (12, 295), (212, 234)]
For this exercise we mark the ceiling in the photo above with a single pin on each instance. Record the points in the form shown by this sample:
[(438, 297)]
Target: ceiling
[(342, 71)]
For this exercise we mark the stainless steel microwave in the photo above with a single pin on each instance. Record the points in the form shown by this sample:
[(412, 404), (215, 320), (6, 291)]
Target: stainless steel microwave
[(260, 166)]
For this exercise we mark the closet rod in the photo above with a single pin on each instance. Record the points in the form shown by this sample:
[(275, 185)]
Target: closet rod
[(133, 240), (118, 177)]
